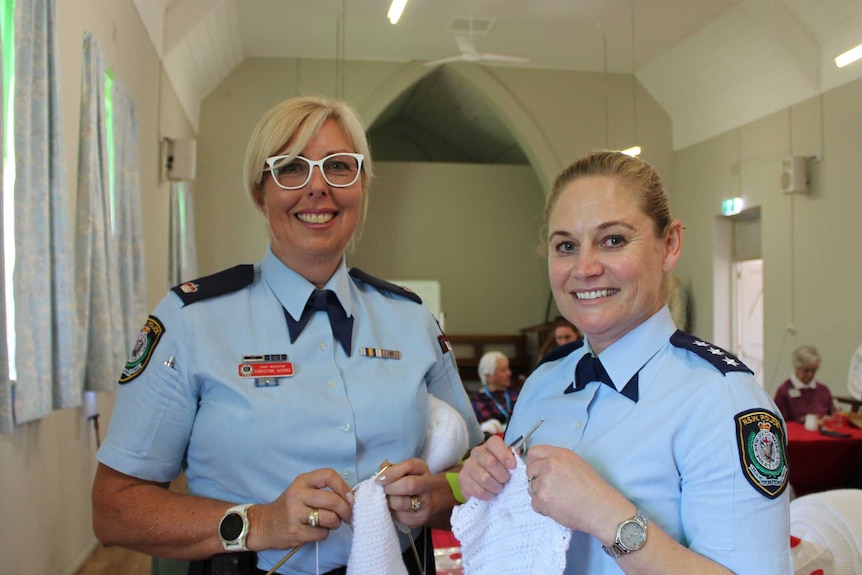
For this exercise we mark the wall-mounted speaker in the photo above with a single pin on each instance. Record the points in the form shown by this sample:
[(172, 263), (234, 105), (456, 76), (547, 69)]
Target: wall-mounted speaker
[(180, 159), (794, 175)]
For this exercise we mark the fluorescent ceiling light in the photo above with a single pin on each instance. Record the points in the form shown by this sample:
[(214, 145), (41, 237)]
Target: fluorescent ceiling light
[(395, 10), (849, 56), (634, 151)]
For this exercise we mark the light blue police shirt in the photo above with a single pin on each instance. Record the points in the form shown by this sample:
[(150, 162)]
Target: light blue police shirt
[(189, 410), (676, 453)]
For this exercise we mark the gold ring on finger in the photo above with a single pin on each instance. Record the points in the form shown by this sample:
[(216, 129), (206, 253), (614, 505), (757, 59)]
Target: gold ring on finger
[(415, 504), (313, 517)]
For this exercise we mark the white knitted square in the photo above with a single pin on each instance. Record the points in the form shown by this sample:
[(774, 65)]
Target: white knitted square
[(505, 536)]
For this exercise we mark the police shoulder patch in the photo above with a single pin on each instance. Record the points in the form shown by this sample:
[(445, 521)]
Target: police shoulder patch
[(762, 451), (143, 349), (383, 285), (722, 360), (561, 351), (220, 283)]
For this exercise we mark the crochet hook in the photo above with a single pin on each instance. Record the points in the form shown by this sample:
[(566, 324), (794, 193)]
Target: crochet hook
[(519, 443)]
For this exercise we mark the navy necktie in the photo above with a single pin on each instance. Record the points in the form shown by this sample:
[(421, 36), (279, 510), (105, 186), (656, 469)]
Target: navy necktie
[(590, 368), (324, 300)]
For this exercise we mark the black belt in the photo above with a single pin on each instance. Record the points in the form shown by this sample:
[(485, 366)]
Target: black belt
[(426, 553)]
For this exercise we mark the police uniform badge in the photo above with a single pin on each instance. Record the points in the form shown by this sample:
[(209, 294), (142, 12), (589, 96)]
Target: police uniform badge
[(143, 349), (760, 437)]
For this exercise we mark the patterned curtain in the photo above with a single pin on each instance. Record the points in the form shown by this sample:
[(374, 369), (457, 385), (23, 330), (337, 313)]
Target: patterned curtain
[(128, 226), (182, 256), (98, 293), (46, 365)]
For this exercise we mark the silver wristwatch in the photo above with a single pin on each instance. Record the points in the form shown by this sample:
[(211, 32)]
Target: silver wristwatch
[(631, 536), (233, 528)]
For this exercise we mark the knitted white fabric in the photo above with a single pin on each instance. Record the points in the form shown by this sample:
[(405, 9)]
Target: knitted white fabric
[(505, 536), (375, 547), (832, 519), (446, 440)]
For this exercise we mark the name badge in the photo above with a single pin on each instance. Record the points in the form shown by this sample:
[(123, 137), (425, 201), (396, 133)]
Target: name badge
[(268, 366), (793, 392)]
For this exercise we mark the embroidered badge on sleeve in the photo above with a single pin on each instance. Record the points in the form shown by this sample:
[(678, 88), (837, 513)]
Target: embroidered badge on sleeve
[(760, 438), (143, 350)]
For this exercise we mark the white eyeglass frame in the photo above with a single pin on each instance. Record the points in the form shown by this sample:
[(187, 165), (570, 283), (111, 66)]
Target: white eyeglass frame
[(272, 160)]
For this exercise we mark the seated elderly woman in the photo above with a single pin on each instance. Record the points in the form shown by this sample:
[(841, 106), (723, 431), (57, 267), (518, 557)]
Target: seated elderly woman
[(801, 394), (493, 403)]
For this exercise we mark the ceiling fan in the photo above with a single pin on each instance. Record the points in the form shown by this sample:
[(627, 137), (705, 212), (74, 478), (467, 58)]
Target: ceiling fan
[(469, 54)]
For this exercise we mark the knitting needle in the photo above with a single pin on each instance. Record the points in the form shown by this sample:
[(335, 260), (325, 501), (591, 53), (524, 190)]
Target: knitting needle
[(404, 528), (285, 558), (519, 443)]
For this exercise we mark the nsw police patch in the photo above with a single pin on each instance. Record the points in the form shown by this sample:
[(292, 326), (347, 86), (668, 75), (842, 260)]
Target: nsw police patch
[(760, 437), (143, 350)]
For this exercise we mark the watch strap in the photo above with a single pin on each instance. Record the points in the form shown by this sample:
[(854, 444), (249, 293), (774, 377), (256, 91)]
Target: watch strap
[(237, 543), (618, 549)]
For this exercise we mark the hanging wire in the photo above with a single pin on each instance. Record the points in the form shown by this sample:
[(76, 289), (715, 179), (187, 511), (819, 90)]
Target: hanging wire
[(607, 91), (634, 80), (339, 50)]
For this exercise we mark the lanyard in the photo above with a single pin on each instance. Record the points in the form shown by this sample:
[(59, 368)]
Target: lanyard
[(508, 408)]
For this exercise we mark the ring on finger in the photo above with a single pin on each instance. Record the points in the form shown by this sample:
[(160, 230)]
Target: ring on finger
[(313, 517), (530, 489), (415, 504)]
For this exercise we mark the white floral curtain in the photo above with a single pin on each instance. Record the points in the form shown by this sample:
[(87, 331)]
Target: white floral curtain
[(98, 291), (182, 258), (45, 330), (128, 226)]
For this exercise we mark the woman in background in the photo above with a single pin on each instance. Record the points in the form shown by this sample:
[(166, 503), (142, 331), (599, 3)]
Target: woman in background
[(564, 332), (800, 394), (494, 402)]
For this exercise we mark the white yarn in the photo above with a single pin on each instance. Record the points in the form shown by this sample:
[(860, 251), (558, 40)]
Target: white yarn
[(375, 547), (446, 439), (505, 536), (832, 519)]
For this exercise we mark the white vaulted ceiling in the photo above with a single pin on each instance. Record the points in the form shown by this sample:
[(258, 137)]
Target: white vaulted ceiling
[(712, 65)]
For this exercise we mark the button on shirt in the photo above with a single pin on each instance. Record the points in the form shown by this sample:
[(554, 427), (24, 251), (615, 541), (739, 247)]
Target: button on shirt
[(673, 452), (246, 444)]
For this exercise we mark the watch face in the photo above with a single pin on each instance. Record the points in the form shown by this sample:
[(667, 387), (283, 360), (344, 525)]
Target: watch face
[(632, 535), (231, 527)]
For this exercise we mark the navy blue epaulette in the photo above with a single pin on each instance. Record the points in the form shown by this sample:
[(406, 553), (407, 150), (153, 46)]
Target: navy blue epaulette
[(561, 351), (722, 360), (220, 283), (384, 285)]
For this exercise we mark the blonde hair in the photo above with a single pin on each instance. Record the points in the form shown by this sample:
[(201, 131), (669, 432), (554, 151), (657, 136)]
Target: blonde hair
[(640, 176), (298, 119)]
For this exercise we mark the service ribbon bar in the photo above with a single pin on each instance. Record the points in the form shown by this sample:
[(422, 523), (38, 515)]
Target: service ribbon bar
[(381, 353)]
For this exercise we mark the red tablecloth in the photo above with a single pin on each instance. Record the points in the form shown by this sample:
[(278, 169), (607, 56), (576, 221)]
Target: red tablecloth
[(818, 462)]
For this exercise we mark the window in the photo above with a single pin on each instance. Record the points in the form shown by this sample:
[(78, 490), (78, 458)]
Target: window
[(7, 32)]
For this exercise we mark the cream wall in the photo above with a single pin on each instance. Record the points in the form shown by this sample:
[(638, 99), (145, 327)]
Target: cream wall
[(47, 466), (475, 228), (810, 243)]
